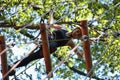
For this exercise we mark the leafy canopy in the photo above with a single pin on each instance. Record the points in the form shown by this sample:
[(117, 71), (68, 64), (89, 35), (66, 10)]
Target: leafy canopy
[(105, 18)]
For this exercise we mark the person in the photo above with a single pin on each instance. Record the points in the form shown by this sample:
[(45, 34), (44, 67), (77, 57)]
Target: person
[(60, 37)]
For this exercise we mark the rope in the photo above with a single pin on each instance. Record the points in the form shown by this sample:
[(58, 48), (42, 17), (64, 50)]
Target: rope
[(25, 69), (12, 44), (38, 18), (100, 59), (21, 29), (8, 47), (34, 47), (55, 22), (62, 61)]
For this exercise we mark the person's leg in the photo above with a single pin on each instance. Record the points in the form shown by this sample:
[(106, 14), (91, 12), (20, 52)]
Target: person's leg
[(36, 55)]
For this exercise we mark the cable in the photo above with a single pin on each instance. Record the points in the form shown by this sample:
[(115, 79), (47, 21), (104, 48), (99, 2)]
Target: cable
[(21, 29), (38, 18), (7, 48), (72, 12), (63, 60), (13, 67), (25, 69), (100, 59), (96, 38)]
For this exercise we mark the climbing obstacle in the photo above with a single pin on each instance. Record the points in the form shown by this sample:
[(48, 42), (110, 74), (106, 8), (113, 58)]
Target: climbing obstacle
[(46, 50), (86, 46), (3, 58), (45, 47)]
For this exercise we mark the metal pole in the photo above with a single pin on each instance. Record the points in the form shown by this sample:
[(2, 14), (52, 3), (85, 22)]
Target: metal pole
[(3, 58), (86, 43), (45, 48)]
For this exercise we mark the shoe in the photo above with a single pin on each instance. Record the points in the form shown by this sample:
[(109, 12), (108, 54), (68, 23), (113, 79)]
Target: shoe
[(12, 72)]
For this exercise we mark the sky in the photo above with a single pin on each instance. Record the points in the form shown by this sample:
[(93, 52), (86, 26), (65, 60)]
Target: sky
[(31, 70)]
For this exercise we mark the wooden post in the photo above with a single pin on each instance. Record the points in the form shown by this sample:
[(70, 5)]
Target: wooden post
[(88, 59), (45, 47), (3, 58)]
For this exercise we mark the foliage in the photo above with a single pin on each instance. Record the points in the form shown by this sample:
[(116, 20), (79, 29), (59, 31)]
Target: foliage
[(103, 13)]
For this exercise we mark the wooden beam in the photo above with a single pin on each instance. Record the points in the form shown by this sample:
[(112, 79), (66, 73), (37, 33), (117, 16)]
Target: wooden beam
[(86, 43), (45, 48), (3, 58)]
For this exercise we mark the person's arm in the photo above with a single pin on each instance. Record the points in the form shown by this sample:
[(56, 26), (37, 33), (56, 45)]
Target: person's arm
[(56, 27), (72, 45), (51, 21)]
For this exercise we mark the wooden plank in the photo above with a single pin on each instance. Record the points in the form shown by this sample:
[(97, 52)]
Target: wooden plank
[(86, 44), (45, 47)]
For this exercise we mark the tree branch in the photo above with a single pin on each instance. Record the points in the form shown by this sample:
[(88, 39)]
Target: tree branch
[(17, 27), (76, 70), (27, 34), (5, 25), (82, 73)]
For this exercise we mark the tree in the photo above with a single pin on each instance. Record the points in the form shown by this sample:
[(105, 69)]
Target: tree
[(19, 21)]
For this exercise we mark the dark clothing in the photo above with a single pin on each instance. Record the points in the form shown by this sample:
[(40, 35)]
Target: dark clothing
[(59, 39)]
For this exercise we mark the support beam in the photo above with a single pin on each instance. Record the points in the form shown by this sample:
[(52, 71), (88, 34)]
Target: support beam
[(88, 59), (45, 47), (3, 58)]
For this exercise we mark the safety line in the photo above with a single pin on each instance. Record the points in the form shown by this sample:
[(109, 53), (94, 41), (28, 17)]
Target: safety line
[(63, 60), (7, 48), (25, 69), (100, 59), (14, 66)]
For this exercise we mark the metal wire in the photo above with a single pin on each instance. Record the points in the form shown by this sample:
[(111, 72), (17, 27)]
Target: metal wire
[(54, 23), (62, 61), (25, 69), (100, 60), (14, 66), (7, 48)]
